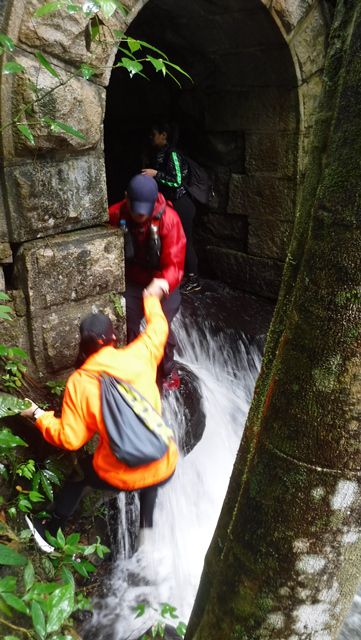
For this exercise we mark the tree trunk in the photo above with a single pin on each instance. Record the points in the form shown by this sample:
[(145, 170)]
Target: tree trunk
[(284, 562)]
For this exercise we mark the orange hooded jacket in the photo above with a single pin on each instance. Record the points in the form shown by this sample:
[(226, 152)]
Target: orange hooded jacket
[(81, 415)]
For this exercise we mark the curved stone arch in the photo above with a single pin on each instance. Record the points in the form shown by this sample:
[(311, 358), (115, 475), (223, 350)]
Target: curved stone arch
[(61, 187), (304, 25)]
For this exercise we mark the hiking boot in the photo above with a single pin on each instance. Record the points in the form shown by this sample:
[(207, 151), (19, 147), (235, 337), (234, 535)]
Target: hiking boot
[(190, 284), (38, 531), (171, 382)]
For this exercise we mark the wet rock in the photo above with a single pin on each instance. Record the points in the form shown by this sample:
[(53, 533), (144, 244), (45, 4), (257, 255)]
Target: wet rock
[(221, 308), (262, 196), (189, 402)]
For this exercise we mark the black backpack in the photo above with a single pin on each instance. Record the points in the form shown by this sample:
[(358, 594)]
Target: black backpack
[(137, 434), (199, 185)]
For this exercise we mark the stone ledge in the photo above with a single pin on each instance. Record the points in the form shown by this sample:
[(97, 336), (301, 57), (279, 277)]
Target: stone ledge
[(76, 102), (56, 301), (48, 197), (95, 257), (246, 273)]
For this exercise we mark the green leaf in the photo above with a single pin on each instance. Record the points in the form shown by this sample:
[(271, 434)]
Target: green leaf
[(175, 66), (60, 538), (8, 584), (181, 629), (134, 45), (87, 71), (4, 296), (29, 576), (73, 8), (46, 64), (46, 486), (11, 638), (149, 46), (67, 576), (158, 64), (25, 131), (108, 7), (61, 605), (40, 588), (11, 352), (83, 567), (38, 619), (13, 67), (15, 602), (35, 496), (57, 126), (73, 539), (133, 66), (10, 406), (9, 556), (50, 7), (6, 42), (24, 505), (168, 610), (5, 609), (140, 609), (5, 311), (51, 476), (27, 469)]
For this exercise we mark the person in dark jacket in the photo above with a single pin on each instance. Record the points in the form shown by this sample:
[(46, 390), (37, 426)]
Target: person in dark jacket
[(170, 169), (157, 261)]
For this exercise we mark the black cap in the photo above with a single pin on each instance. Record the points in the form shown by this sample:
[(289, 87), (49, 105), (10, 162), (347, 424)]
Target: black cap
[(98, 325), (142, 193)]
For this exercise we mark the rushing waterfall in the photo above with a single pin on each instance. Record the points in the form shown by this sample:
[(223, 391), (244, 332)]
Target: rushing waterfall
[(168, 565)]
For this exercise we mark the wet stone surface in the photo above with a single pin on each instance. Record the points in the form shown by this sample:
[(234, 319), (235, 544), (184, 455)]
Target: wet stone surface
[(221, 308)]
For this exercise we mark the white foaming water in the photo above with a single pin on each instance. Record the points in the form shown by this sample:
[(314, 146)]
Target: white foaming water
[(168, 565)]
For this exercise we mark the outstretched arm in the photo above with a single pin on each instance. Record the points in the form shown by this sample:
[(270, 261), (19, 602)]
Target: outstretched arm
[(152, 341), (72, 430)]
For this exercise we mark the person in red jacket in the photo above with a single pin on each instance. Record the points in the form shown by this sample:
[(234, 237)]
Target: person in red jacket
[(155, 247)]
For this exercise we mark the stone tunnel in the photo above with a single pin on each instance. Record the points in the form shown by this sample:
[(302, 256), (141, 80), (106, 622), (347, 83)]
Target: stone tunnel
[(247, 116)]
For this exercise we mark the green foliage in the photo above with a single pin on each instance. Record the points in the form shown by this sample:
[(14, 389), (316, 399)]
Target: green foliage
[(118, 306), (164, 610), (10, 406), (43, 589), (137, 55), (11, 357), (56, 387)]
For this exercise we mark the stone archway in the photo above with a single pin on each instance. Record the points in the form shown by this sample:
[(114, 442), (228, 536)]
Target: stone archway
[(56, 188), (257, 69)]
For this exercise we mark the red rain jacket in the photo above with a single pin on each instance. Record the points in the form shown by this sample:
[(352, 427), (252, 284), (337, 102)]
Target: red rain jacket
[(173, 243)]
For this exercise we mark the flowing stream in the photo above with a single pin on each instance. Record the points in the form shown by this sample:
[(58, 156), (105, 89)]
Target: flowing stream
[(168, 565)]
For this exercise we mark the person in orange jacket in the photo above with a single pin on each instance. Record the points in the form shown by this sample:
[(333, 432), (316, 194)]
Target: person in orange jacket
[(81, 416), (158, 247)]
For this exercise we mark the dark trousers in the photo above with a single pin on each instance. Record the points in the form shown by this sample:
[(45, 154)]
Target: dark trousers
[(135, 314), (186, 210), (72, 492)]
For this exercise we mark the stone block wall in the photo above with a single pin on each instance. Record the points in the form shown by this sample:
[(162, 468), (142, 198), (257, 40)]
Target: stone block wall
[(257, 70), (273, 113), (59, 263)]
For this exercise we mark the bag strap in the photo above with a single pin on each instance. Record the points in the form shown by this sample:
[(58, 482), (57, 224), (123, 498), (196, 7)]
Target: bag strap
[(151, 418)]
